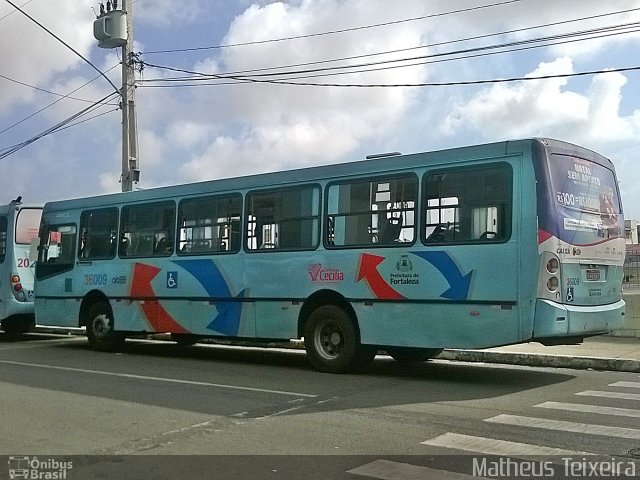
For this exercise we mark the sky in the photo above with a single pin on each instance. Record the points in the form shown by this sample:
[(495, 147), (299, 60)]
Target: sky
[(200, 129)]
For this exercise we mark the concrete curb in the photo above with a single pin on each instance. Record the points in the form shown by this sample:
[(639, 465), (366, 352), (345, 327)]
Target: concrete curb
[(476, 356), (541, 360)]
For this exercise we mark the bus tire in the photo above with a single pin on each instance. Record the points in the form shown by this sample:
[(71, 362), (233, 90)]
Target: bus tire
[(413, 355), (332, 342), (100, 329)]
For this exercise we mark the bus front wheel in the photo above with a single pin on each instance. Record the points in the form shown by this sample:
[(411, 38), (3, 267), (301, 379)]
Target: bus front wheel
[(100, 329), (332, 343)]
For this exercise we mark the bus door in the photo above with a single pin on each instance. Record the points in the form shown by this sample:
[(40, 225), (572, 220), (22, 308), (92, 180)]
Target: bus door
[(54, 270)]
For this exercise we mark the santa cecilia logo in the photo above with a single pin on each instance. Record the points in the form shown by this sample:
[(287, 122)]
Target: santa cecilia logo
[(320, 274)]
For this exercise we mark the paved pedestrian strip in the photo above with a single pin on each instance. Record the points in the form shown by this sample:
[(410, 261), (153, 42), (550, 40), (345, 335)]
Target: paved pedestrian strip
[(470, 446), (615, 395), (579, 407), (492, 446), (625, 384), (585, 428)]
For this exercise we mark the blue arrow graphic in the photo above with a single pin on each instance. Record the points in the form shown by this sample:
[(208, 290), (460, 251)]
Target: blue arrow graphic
[(227, 319), (458, 284)]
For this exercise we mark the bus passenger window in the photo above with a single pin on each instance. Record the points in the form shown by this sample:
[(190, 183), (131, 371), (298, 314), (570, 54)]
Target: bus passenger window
[(378, 212), (98, 234), (468, 205), (143, 226), (283, 219), (209, 224)]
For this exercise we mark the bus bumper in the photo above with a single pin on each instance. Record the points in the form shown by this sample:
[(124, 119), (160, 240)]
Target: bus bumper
[(556, 320)]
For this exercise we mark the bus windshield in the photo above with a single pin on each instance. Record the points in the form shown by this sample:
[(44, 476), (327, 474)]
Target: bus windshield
[(27, 225)]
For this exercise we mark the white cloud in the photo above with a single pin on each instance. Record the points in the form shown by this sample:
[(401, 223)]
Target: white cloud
[(548, 108), (41, 57)]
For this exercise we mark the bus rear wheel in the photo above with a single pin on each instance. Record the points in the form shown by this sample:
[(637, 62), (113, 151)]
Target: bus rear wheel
[(413, 355), (100, 329), (332, 342)]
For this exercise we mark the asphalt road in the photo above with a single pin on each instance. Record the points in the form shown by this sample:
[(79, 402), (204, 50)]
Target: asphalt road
[(230, 409)]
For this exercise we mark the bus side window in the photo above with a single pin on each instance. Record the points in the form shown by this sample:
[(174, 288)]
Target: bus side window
[(283, 219), (468, 205), (3, 238), (143, 226), (378, 212), (98, 234), (209, 225)]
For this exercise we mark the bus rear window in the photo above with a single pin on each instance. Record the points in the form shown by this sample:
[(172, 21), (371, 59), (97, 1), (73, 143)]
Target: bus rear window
[(27, 225), (583, 185)]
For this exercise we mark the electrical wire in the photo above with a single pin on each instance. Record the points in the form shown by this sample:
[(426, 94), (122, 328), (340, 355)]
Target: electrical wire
[(437, 44), (59, 126), (13, 11), (62, 97), (64, 43), (466, 53), (332, 32)]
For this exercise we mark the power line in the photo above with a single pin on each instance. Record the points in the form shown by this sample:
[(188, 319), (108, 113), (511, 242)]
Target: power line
[(62, 97), (466, 53), (63, 42), (434, 84), (332, 32), (13, 11), (431, 45), (59, 126)]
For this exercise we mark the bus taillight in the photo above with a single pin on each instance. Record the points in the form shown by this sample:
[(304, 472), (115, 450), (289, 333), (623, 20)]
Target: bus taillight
[(15, 283)]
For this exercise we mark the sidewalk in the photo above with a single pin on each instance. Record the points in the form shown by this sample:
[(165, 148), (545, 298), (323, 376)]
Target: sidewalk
[(598, 353)]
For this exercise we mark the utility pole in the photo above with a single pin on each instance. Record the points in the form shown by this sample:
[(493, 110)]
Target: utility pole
[(130, 172), (114, 28)]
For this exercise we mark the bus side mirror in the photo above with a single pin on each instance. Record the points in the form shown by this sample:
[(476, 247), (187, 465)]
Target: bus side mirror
[(33, 249)]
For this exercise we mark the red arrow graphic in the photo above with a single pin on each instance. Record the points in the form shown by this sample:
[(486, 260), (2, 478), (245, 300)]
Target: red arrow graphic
[(368, 270), (141, 289)]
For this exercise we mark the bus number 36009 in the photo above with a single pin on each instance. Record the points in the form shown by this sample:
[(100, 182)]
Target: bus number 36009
[(96, 279)]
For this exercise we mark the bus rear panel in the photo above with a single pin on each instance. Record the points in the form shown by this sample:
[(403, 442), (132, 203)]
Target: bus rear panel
[(18, 227)]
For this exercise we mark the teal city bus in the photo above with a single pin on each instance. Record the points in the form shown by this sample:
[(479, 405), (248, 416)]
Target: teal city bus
[(471, 247), (18, 227)]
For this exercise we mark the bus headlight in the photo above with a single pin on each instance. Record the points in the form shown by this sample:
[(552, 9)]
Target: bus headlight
[(553, 284)]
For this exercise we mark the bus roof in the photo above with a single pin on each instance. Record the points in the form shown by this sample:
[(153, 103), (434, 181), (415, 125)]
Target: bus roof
[(364, 167), (6, 209)]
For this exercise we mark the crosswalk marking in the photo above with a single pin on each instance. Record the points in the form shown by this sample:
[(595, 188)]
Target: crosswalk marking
[(625, 384), (388, 470), (616, 395), (586, 428), (579, 407), (492, 446)]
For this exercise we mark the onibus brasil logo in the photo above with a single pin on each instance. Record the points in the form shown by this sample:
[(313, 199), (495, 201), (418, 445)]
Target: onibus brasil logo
[(33, 468)]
